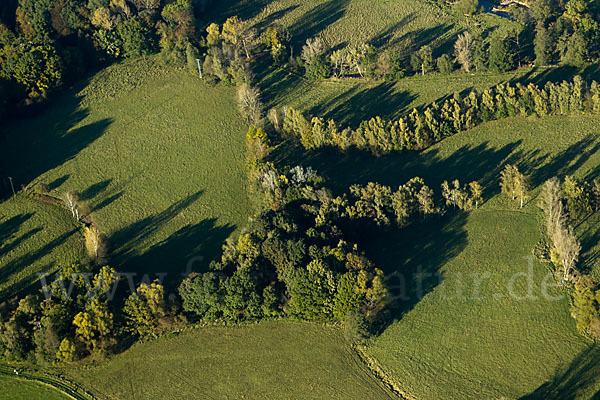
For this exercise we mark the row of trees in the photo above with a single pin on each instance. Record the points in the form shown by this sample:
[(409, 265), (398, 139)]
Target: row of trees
[(420, 129), (564, 206)]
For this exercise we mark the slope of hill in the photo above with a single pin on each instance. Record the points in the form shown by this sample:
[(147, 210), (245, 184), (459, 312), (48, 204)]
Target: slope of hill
[(266, 360), (34, 238), (157, 155)]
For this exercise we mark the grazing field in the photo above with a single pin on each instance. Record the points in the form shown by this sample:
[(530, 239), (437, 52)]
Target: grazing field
[(383, 23), (34, 238), (158, 156), (267, 360), (15, 388), (350, 101), (466, 336)]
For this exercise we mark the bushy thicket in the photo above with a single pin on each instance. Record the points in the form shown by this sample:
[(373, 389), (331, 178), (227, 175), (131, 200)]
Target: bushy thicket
[(75, 317), (295, 258), (421, 129)]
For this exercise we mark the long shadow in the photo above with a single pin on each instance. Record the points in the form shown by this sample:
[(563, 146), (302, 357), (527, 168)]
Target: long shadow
[(317, 19), (273, 18), (172, 255), (470, 162), (11, 225), (220, 10), (356, 104), (574, 381), (411, 259), (188, 250), (559, 74), (29, 148), (19, 263), (94, 189), (7, 247), (481, 162)]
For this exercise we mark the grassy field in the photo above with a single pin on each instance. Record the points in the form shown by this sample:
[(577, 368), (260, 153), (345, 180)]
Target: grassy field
[(350, 101), (34, 238), (157, 155), (383, 23), (465, 336), (267, 360), (15, 388)]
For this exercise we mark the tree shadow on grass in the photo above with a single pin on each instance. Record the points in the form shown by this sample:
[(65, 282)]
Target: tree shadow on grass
[(469, 162), (273, 18), (482, 162), (17, 264), (198, 243), (190, 249), (317, 19), (411, 259), (10, 226), (576, 380), (356, 104), (94, 189), (34, 146)]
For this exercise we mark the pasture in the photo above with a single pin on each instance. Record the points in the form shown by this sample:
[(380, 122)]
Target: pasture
[(265, 360), (34, 238), (157, 156), (457, 331), (16, 388)]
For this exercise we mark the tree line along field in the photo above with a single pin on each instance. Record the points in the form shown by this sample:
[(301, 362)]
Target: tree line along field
[(155, 153), (264, 360), (491, 346)]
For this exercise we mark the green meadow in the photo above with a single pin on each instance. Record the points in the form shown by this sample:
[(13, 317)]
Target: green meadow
[(266, 360), (157, 155)]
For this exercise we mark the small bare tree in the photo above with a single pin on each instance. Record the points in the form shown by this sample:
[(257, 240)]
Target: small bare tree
[(95, 242), (70, 200), (313, 48), (250, 105), (463, 50)]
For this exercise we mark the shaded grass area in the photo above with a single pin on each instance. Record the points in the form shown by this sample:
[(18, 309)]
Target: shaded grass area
[(157, 155), (455, 330), (267, 360), (34, 238), (15, 388), (482, 331), (351, 101), (541, 148)]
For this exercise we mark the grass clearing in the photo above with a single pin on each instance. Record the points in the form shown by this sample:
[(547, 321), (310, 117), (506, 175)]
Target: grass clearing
[(266, 360), (16, 388), (158, 155), (34, 238)]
